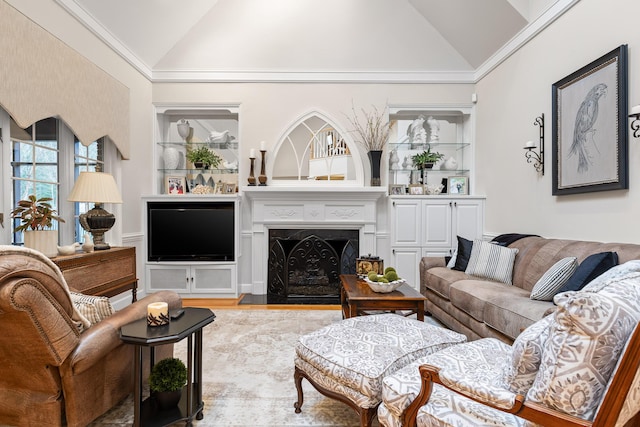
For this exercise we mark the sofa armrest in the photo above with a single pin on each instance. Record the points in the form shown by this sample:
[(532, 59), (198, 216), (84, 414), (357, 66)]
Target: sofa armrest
[(425, 264), (100, 339)]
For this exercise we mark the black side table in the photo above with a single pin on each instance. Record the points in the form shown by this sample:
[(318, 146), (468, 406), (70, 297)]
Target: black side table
[(189, 325)]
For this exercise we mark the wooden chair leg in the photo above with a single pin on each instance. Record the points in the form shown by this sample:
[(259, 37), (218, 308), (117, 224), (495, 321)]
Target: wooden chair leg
[(366, 414), (297, 378)]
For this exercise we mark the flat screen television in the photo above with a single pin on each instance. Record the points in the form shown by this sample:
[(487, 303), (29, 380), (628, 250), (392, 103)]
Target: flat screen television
[(190, 231)]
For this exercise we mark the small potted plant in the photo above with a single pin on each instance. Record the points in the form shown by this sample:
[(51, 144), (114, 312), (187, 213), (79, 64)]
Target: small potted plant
[(166, 380), (36, 219), (426, 159), (203, 157)]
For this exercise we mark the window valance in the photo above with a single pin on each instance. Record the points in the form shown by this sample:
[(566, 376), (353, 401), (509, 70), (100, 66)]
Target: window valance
[(42, 77)]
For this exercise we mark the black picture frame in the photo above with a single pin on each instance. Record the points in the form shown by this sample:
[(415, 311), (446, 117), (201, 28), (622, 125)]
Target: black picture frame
[(589, 127)]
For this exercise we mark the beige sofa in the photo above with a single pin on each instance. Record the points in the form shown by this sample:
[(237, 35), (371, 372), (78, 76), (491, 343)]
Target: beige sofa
[(480, 308)]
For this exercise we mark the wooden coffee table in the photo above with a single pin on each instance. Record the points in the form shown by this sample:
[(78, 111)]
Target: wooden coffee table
[(357, 298)]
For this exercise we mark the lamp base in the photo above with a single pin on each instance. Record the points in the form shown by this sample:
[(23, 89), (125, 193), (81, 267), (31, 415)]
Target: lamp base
[(98, 221)]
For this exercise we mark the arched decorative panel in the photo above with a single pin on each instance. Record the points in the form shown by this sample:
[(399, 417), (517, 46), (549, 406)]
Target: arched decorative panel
[(315, 151)]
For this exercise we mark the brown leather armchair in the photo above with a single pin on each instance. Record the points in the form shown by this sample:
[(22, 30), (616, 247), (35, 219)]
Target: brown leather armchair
[(50, 372)]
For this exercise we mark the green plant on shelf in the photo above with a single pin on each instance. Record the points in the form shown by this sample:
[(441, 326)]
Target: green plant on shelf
[(203, 157), (426, 159)]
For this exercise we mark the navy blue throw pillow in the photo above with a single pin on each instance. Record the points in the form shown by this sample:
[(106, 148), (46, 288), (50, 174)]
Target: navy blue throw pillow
[(463, 254), (593, 266)]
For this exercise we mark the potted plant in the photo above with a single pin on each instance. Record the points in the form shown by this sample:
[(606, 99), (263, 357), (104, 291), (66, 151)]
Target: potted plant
[(167, 379), (426, 159), (36, 219), (203, 157)]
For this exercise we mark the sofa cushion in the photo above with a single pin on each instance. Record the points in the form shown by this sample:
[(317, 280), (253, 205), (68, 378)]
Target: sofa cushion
[(554, 279), (463, 253), (587, 337), (593, 266), (526, 355), (512, 311), (491, 261), (471, 296), (439, 279)]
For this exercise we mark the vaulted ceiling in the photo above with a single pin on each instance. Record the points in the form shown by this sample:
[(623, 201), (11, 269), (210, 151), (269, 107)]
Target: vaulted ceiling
[(220, 39)]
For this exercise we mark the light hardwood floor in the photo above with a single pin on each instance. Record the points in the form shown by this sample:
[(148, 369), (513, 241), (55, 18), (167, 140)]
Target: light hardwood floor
[(235, 304)]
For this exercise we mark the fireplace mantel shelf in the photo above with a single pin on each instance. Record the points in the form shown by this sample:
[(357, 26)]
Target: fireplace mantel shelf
[(313, 193)]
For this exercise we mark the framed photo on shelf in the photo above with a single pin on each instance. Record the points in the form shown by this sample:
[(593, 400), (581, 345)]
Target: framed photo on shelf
[(416, 189), (445, 186), (175, 184), (458, 185), (396, 190), (589, 128), (219, 188), (229, 187)]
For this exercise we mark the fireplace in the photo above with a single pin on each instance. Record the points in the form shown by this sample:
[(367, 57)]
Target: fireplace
[(304, 209), (304, 266)]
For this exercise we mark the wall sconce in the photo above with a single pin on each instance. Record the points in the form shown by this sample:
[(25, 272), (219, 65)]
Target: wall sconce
[(635, 123), (537, 158)]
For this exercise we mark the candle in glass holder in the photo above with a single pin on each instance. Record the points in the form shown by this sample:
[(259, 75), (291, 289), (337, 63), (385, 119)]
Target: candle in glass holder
[(157, 314)]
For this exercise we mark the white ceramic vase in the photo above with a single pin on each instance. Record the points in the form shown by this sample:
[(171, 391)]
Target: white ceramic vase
[(45, 241), (171, 157)]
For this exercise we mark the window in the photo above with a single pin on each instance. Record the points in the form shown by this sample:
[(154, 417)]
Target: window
[(40, 156), (86, 159)]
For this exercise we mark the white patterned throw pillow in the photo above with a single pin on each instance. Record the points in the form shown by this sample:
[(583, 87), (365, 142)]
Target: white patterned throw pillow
[(586, 339), (554, 279), (491, 261), (526, 356)]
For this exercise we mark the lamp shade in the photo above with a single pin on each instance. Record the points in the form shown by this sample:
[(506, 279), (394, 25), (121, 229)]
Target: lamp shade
[(96, 187)]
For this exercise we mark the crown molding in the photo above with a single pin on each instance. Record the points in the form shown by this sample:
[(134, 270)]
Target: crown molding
[(90, 23), (284, 76), (405, 77)]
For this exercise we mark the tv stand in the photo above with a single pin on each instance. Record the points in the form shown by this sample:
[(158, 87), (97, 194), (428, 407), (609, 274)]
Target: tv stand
[(193, 278)]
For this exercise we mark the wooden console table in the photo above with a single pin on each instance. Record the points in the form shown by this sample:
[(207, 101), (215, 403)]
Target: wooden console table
[(106, 273)]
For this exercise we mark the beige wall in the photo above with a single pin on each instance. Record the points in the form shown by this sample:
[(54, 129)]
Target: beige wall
[(519, 90)]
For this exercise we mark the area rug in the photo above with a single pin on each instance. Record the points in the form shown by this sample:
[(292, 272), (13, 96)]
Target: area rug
[(248, 373)]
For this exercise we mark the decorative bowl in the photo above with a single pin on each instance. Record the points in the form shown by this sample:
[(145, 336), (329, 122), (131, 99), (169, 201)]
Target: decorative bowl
[(384, 287)]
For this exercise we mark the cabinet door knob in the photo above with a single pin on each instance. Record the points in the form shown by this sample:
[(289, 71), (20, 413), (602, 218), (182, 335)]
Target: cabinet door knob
[(393, 203), (455, 203), (393, 251), (450, 204)]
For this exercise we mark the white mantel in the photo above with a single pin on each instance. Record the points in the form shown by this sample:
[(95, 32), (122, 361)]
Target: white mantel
[(352, 208)]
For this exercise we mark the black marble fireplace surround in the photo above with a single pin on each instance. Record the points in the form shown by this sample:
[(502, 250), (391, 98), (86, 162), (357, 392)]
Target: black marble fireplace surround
[(305, 265)]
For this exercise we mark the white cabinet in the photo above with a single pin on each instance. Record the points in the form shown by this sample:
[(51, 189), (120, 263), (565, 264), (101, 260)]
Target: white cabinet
[(194, 280), (428, 226)]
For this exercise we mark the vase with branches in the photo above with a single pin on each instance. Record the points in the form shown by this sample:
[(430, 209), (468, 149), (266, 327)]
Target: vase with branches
[(372, 133)]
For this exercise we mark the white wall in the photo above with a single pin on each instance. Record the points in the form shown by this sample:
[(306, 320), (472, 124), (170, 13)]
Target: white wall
[(519, 90)]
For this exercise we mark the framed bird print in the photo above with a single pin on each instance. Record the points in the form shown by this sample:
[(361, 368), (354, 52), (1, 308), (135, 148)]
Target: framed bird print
[(589, 132)]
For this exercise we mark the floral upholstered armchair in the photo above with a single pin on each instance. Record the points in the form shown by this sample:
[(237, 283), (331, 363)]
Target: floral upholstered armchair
[(576, 367)]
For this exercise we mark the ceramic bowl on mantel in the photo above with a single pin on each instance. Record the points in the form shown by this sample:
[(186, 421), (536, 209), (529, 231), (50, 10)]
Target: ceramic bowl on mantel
[(384, 287)]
